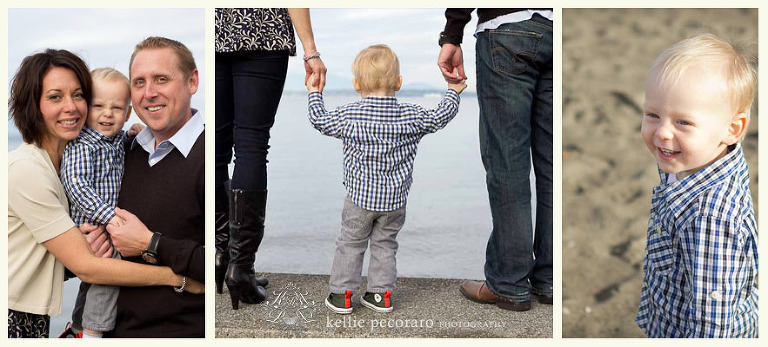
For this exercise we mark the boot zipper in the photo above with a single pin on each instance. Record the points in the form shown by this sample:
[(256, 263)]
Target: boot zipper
[(236, 217)]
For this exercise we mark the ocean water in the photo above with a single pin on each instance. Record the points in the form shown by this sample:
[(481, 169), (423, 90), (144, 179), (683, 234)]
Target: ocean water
[(448, 218)]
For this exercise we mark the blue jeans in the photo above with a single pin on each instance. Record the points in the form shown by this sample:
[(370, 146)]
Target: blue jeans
[(248, 90), (514, 89)]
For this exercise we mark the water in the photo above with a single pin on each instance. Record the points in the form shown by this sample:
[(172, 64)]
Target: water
[(448, 219)]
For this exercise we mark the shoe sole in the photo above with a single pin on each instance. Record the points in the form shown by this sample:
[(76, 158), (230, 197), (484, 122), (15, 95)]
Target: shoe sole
[(504, 305), (336, 309), (376, 308)]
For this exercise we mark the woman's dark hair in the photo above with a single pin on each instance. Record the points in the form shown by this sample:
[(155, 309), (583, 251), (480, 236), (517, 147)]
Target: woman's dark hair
[(27, 88)]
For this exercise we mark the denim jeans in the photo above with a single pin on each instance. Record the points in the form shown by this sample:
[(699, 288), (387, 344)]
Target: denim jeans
[(359, 227), (514, 88), (248, 90)]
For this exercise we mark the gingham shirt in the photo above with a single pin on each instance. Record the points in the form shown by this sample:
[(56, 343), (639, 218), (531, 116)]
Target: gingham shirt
[(380, 137), (91, 173), (700, 266)]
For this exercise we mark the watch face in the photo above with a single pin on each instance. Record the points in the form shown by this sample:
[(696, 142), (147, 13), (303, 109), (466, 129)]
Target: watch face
[(149, 258)]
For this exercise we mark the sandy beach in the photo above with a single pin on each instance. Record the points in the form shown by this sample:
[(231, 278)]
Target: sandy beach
[(608, 173)]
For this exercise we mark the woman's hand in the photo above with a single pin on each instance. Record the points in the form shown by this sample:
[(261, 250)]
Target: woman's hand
[(194, 287), (96, 237)]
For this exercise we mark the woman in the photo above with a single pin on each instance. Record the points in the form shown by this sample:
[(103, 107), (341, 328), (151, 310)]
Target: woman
[(252, 49), (49, 102)]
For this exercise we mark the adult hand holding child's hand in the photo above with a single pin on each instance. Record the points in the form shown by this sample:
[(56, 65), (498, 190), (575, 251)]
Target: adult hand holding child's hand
[(458, 87), (96, 237), (311, 81)]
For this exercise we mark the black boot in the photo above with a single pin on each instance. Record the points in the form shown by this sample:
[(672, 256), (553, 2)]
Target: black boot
[(246, 229), (222, 234)]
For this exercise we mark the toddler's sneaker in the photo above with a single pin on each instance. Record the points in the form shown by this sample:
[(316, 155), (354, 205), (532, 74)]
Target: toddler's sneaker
[(340, 303), (377, 301)]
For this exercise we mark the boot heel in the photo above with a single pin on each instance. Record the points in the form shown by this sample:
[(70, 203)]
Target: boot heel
[(234, 294)]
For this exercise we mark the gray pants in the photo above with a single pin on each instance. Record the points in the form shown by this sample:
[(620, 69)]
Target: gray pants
[(96, 306), (358, 226)]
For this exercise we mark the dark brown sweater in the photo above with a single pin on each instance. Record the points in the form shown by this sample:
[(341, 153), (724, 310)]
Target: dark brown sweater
[(170, 199)]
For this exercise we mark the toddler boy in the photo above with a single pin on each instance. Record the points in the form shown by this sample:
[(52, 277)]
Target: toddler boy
[(91, 173), (380, 136), (700, 266)]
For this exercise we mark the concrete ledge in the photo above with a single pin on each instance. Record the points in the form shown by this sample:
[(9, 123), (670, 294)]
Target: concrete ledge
[(423, 308)]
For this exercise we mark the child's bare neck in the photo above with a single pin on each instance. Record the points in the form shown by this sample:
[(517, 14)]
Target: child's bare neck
[(378, 93)]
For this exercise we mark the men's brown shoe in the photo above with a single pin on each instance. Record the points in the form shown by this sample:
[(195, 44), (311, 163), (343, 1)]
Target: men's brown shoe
[(478, 292)]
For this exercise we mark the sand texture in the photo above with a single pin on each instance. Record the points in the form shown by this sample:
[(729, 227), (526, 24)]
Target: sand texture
[(608, 173)]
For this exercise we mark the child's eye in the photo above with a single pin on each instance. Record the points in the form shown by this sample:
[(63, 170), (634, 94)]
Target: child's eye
[(119, 108), (652, 115), (682, 122)]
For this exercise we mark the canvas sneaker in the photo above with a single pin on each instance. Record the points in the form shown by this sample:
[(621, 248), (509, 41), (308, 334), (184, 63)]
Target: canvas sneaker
[(340, 303), (379, 302)]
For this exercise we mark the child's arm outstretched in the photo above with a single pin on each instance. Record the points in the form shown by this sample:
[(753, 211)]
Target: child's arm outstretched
[(328, 123), (437, 118), (714, 253), (76, 177)]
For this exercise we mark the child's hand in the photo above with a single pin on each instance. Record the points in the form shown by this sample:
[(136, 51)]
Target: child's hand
[(458, 87), (135, 129), (312, 81)]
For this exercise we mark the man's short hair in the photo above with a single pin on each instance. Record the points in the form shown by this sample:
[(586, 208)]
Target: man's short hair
[(377, 68), (27, 89), (708, 52), (185, 59)]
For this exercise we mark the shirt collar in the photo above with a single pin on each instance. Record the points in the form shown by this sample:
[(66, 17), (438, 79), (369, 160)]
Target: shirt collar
[(183, 140), (379, 101), (681, 192)]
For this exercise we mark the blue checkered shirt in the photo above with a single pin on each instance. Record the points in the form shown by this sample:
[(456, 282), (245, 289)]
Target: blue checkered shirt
[(380, 137), (700, 267), (91, 173)]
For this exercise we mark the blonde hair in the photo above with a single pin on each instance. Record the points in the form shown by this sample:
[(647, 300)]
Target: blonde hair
[(377, 68), (707, 52), (110, 74)]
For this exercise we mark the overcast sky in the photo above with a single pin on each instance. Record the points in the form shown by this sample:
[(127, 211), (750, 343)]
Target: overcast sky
[(104, 37), (412, 33)]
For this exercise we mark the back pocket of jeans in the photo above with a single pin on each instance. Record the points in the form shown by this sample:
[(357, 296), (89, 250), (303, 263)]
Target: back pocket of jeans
[(512, 52)]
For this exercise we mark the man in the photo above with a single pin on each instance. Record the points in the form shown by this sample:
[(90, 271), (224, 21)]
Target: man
[(514, 90), (163, 187)]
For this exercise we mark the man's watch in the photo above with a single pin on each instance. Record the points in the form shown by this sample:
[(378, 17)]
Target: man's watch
[(456, 40), (150, 254)]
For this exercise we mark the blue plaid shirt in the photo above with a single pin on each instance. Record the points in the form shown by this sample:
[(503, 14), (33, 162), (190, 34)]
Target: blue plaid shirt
[(380, 137), (700, 267), (91, 173)]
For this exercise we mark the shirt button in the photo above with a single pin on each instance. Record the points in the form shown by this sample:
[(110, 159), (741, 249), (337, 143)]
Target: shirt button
[(715, 295)]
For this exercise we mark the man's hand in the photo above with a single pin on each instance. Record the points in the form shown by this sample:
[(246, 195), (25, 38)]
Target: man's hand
[(132, 236), (97, 240), (315, 68), (451, 63), (194, 287)]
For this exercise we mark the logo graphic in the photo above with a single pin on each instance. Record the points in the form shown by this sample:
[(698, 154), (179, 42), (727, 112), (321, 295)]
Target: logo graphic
[(291, 306)]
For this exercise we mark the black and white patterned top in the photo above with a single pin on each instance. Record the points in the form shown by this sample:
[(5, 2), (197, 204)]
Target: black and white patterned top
[(254, 29)]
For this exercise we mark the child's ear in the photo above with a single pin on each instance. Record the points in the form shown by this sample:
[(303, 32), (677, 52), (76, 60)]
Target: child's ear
[(356, 85), (399, 83), (737, 128), (128, 113)]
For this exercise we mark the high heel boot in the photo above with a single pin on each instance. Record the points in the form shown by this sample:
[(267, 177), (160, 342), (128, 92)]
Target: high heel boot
[(246, 229), (221, 215)]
